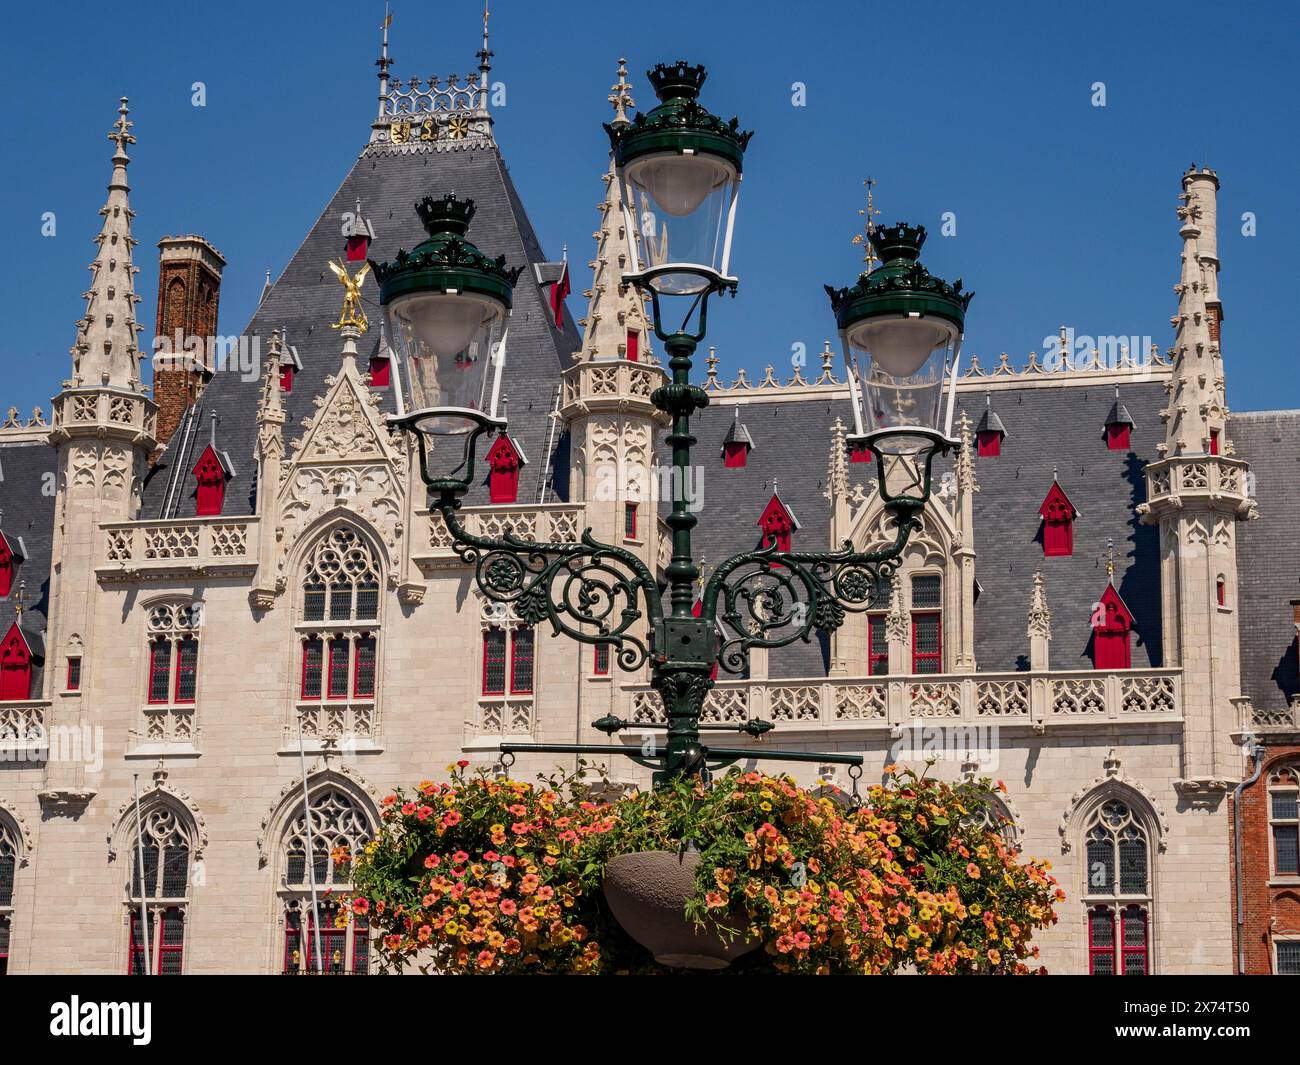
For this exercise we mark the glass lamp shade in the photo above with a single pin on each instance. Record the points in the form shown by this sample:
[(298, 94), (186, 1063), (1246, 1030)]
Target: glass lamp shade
[(450, 349), (681, 207), (900, 365)]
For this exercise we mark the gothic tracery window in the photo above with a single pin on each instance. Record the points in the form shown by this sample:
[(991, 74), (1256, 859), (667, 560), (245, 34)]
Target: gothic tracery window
[(339, 627), (171, 686), (9, 853), (339, 828), (165, 848), (1117, 891)]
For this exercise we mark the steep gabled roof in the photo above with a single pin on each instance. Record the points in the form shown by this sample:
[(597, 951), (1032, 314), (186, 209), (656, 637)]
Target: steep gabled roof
[(306, 298)]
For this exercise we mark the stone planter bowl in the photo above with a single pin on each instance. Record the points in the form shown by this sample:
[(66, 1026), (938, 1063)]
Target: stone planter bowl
[(647, 894)]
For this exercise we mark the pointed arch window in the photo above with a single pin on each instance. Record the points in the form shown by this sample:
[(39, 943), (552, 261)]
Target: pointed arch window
[(173, 631), (339, 829), (339, 630), (9, 861), (1117, 893), (167, 843)]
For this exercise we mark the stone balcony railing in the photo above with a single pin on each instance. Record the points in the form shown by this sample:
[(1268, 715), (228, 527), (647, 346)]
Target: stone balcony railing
[(140, 549), (1224, 481), (1271, 719), (132, 413), (1036, 700), (547, 522), (616, 381), (23, 735)]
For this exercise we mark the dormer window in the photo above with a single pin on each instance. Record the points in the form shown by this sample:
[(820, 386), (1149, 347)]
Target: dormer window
[(736, 445), (1119, 426), (777, 523), (12, 553), (290, 364), (18, 649), (1058, 515), (379, 371), (504, 460), (211, 473), (1111, 625), (990, 432)]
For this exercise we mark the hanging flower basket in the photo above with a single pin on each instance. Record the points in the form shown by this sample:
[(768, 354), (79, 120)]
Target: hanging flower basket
[(648, 894)]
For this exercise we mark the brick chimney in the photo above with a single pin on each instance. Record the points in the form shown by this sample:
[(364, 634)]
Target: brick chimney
[(189, 289)]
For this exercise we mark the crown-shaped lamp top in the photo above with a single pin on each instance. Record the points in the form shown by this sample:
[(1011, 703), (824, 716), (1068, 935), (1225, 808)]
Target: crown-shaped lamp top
[(899, 241), (445, 216), (677, 81)]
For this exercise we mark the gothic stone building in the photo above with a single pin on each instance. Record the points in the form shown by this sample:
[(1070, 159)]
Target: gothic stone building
[(193, 578)]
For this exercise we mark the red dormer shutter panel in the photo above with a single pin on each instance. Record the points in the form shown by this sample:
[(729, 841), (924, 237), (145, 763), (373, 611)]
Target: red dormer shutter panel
[(860, 453), (633, 345), (1117, 436), (1112, 626), (503, 471), (734, 455), (1058, 516), (989, 444), (379, 371), (777, 525), (286, 377), (15, 666), (1214, 441), (6, 568), (210, 494)]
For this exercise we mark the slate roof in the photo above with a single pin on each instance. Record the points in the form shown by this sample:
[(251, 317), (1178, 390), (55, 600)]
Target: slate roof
[(27, 478), (307, 297), (1056, 427), (1268, 556)]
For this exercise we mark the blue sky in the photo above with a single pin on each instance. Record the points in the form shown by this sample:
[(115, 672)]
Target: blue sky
[(1064, 210)]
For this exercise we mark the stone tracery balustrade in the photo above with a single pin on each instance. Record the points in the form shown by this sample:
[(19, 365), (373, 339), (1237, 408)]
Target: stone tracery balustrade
[(1221, 478), (135, 548), (1039, 700), (1273, 719), (22, 729), (552, 522), (612, 380)]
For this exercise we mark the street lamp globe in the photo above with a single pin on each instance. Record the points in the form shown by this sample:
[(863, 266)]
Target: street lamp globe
[(447, 308), (901, 329), (679, 168)]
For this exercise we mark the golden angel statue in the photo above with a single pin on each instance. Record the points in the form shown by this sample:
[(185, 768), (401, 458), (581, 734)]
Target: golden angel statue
[(352, 313)]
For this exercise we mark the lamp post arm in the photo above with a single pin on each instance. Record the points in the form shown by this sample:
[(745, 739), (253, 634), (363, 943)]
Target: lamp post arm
[(587, 590), (771, 598)]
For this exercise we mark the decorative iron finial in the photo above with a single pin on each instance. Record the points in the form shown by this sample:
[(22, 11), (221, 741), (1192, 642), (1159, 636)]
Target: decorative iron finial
[(20, 599), (620, 95), (485, 53), (1110, 560), (870, 211)]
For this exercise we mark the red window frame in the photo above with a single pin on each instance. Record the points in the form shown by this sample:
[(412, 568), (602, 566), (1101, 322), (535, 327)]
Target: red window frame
[(935, 656), (735, 455), (313, 664), (633, 345), (1095, 949), (877, 661), (1058, 538), (600, 660), (186, 670), (494, 656), (338, 668), (1111, 649), (136, 943), (1117, 437), (160, 669), (629, 521), (523, 661), (1125, 951), (1221, 592), (74, 674), (364, 666), (170, 916), (860, 453)]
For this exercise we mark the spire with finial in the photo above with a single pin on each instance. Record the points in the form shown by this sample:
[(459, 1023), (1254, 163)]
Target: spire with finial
[(616, 319), (106, 350), (1110, 561), (620, 95), (965, 463), (1040, 616), (864, 238), (383, 63), (837, 466), (484, 60)]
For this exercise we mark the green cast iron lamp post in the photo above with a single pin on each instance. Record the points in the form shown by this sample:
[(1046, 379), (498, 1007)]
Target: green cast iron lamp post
[(447, 306)]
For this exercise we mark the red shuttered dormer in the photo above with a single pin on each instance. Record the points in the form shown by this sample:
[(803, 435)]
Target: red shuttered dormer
[(1112, 624), (211, 473), (1118, 430), (12, 553), (1058, 515), (736, 445), (990, 432), (504, 460), (777, 523), (18, 650)]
